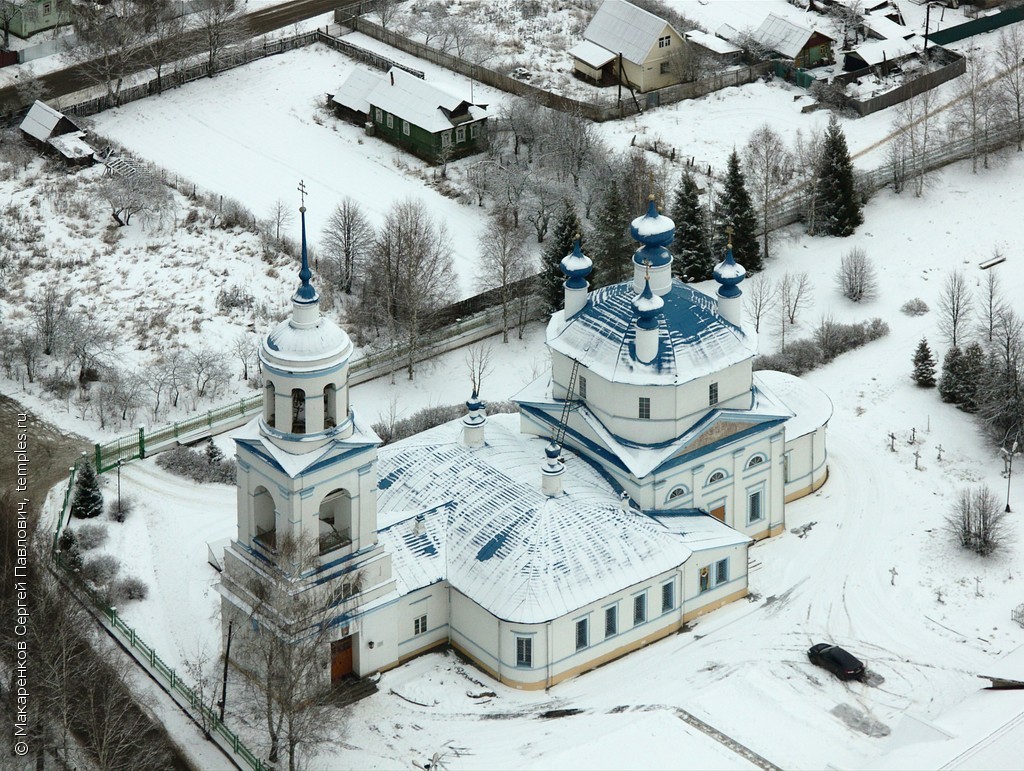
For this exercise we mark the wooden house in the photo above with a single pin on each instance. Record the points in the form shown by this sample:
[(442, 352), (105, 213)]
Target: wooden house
[(32, 16), (806, 47), (626, 44), (47, 128), (423, 118)]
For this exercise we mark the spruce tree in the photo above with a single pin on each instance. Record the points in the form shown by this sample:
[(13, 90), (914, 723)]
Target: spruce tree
[(924, 365), (735, 208), (88, 500), (692, 253), (609, 245), (839, 206), (213, 454), (952, 371), (972, 373), (567, 229)]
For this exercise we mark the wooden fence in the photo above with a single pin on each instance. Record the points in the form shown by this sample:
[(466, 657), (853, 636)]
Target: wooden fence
[(954, 66)]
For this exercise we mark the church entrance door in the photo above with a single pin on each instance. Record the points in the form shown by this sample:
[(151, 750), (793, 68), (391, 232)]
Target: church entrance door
[(341, 658), (719, 513)]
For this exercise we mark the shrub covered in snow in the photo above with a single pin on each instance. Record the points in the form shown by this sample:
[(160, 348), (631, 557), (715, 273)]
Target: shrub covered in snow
[(830, 340), (119, 510), (978, 521), (101, 569), (91, 536), (915, 307), (129, 588), (200, 467)]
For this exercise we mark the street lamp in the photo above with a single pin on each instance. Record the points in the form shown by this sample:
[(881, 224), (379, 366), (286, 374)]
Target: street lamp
[(1009, 469), (119, 462)]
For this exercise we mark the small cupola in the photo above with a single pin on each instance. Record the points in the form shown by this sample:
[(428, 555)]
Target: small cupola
[(551, 471), (474, 421), (576, 266), (730, 274), (648, 313), (652, 260)]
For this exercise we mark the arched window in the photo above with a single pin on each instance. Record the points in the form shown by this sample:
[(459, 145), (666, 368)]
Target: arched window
[(679, 492), (756, 460), (717, 476), (269, 404), (335, 520), (264, 518), (298, 411), (330, 406)]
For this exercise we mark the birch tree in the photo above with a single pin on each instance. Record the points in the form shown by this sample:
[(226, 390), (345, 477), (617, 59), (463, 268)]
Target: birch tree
[(504, 265), (1010, 63), (769, 167)]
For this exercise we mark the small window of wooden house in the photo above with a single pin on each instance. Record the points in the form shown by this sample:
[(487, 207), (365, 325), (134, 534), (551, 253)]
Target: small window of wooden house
[(460, 134), (380, 115), (391, 120), (474, 130), (446, 139), (405, 127)]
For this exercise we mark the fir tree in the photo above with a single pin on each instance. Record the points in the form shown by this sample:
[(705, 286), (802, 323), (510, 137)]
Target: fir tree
[(693, 255), (213, 454), (839, 206), (566, 231), (972, 373), (609, 245), (734, 208), (924, 365), (88, 500), (949, 383)]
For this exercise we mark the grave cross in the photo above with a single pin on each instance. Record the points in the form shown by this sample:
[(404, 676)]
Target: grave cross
[(939, 448), (892, 441), (893, 574)]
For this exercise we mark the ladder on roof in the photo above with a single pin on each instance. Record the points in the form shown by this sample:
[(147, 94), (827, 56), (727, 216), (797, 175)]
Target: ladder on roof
[(559, 436)]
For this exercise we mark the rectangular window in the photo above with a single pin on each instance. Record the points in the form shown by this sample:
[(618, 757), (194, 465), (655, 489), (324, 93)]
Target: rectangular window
[(524, 651), (474, 130), (47, 8), (713, 394), (611, 621), (787, 465), (645, 407), (754, 513), (639, 609), (582, 634), (664, 68), (391, 120), (668, 597), (405, 127), (420, 625), (665, 42), (583, 387), (460, 134), (446, 139), (380, 115), (714, 575)]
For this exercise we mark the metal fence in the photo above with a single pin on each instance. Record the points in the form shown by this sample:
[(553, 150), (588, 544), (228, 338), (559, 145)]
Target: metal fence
[(186, 696)]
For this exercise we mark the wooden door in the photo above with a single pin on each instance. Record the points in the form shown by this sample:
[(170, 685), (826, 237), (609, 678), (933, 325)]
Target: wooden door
[(341, 658), (719, 513)]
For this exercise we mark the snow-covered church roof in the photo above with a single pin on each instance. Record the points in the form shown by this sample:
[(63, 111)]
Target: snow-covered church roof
[(695, 339), (477, 517)]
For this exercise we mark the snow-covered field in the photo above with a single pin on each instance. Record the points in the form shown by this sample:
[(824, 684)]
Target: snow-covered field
[(875, 571)]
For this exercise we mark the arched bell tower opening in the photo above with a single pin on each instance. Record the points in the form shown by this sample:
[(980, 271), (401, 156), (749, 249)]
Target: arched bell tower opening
[(335, 520), (264, 518), (269, 404), (298, 411), (330, 405)]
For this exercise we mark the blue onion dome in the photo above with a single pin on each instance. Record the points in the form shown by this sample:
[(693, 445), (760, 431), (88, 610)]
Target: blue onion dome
[(576, 266), (729, 273), (648, 307), (306, 293), (654, 231)]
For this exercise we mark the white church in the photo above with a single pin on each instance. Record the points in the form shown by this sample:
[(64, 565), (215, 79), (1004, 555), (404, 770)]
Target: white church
[(618, 505)]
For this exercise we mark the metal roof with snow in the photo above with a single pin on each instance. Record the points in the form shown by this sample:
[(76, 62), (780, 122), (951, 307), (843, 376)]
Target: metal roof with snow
[(879, 51), (621, 27), (591, 54), (355, 88), (782, 35), (713, 43), (477, 517), (423, 104), (42, 121)]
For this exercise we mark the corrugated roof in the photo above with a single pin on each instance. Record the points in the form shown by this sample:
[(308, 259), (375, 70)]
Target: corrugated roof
[(409, 98), (478, 518), (621, 27), (40, 121), (592, 54), (355, 88), (782, 35)]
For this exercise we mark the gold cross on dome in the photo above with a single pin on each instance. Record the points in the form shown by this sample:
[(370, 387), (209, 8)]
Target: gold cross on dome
[(729, 231), (647, 268)]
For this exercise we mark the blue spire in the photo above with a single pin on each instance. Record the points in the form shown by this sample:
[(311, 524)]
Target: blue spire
[(306, 292)]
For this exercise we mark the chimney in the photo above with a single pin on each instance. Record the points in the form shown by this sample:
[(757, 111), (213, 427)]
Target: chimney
[(551, 471), (392, 74), (473, 423), (576, 266)]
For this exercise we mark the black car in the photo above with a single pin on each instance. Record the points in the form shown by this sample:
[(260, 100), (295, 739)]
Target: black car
[(839, 662)]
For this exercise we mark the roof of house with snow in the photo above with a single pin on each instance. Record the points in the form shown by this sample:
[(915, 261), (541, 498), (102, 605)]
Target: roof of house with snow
[(694, 339), (784, 36), (478, 518), (883, 27), (423, 104), (712, 43), (879, 51), (811, 407), (42, 122), (621, 27), (591, 54), (355, 88)]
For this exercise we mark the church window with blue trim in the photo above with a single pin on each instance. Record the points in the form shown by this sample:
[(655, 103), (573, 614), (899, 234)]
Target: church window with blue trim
[(679, 492), (718, 476), (756, 460)]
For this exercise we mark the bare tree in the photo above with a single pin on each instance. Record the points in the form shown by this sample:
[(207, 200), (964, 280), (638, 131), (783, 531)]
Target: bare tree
[(505, 263), (847, 18), (769, 167), (385, 10), (978, 522), (135, 192), (973, 101), (806, 154), (794, 296), (542, 202), (206, 367), (90, 343), (164, 43), (913, 142), (478, 362), (221, 25), (8, 10), (762, 297), (520, 118), (411, 275), (856, 277), (992, 304), (573, 142), (244, 349), (50, 313), (690, 62), (109, 40), (1010, 62), (955, 307), (280, 217), (203, 670), (513, 181), (346, 240), (30, 348)]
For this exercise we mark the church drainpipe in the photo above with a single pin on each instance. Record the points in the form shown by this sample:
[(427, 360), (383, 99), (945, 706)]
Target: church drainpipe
[(550, 652), (682, 594)]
